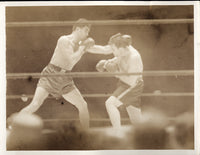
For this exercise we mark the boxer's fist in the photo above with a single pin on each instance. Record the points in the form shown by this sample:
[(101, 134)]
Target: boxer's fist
[(100, 66), (111, 66), (89, 42)]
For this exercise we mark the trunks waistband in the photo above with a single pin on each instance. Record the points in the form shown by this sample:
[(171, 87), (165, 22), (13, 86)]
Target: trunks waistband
[(59, 69), (140, 79)]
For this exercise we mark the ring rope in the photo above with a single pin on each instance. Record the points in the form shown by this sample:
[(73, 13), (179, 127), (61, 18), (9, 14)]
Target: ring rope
[(100, 74), (93, 119), (172, 94), (102, 22), (74, 119)]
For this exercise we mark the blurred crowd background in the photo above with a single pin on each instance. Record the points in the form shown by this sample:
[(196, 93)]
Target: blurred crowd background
[(155, 131)]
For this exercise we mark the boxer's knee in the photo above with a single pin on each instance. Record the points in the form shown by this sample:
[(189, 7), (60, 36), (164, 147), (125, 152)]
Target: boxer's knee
[(113, 101)]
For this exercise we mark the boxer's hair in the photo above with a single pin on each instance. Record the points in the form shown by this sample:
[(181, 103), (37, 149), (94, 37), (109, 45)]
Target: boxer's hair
[(127, 39), (120, 40), (82, 22)]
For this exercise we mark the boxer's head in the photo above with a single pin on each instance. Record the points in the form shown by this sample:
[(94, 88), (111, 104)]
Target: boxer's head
[(82, 28), (120, 44)]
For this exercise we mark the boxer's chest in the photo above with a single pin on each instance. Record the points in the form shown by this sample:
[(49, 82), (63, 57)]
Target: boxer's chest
[(123, 64)]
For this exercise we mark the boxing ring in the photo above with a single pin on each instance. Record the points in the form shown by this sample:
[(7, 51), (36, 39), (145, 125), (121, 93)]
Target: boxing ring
[(175, 73), (152, 73)]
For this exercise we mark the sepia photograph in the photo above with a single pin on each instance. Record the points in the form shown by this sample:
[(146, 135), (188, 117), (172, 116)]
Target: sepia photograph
[(100, 77)]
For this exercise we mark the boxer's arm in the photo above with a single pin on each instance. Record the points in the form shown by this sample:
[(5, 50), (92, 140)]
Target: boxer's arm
[(98, 49), (78, 54)]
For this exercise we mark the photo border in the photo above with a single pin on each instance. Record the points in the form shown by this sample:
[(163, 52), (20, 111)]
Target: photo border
[(3, 150)]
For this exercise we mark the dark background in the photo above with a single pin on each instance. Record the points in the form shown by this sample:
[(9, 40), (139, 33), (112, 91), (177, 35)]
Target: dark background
[(162, 47)]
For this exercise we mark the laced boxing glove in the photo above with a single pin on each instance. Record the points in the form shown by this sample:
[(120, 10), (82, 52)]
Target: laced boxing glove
[(100, 66), (111, 65), (89, 42)]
